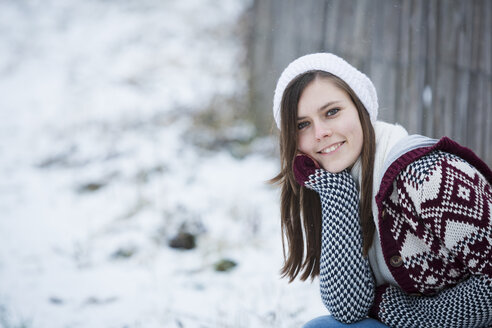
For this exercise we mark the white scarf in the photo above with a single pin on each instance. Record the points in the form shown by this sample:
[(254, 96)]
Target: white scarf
[(387, 135)]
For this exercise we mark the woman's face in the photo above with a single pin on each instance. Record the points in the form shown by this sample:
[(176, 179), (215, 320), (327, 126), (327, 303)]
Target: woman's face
[(329, 128)]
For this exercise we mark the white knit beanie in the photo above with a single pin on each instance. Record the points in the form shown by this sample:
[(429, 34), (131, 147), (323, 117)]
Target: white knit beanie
[(358, 81)]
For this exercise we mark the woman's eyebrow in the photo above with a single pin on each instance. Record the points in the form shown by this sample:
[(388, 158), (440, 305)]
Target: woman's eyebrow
[(328, 104)]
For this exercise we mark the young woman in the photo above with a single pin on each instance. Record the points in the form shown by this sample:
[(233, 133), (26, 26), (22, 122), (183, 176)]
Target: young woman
[(398, 227)]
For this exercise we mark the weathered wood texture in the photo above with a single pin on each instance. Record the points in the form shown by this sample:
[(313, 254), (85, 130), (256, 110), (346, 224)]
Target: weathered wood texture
[(431, 60)]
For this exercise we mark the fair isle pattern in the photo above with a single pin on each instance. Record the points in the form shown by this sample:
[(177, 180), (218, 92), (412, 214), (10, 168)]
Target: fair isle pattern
[(346, 282), (467, 305), (440, 210), (439, 216)]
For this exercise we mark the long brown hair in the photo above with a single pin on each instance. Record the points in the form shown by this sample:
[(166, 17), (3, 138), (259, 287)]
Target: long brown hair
[(300, 208)]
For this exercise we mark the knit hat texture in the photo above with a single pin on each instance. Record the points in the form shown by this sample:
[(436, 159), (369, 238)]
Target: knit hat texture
[(358, 81)]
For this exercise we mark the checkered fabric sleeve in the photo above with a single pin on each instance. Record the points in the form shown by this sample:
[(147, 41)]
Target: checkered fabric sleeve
[(346, 281), (466, 305), (454, 202)]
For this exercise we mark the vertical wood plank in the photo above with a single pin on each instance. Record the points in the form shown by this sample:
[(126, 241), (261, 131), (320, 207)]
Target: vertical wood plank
[(407, 47), (487, 68), (429, 93)]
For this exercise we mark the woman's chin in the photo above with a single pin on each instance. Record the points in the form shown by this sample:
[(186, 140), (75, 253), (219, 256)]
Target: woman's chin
[(337, 165), (332, 168)]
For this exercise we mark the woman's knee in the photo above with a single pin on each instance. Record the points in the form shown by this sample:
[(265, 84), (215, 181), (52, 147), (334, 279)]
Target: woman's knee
[(328, 321)]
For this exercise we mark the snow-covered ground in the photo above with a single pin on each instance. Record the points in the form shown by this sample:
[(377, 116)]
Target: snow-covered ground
[(100, 168)]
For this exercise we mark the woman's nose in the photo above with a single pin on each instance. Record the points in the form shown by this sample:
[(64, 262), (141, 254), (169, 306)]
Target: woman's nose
[(322, 131)]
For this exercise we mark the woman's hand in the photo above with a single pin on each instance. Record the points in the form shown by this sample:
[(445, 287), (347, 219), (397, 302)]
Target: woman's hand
[(303, 167)]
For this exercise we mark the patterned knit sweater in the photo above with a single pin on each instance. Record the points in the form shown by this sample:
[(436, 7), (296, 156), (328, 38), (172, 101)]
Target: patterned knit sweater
[(435, 223)]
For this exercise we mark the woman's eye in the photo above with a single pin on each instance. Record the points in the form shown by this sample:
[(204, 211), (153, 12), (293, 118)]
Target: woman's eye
[(332, 111), (302, 125)]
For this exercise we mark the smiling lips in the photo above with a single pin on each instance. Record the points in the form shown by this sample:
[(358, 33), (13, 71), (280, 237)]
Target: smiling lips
[(331, 148)]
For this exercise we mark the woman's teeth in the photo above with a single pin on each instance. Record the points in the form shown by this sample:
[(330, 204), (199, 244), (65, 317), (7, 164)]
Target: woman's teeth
[(331, 149)]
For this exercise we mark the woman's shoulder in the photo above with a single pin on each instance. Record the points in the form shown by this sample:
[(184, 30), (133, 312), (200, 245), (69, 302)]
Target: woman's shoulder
[(428, 163), (442, 182), (435, 166)]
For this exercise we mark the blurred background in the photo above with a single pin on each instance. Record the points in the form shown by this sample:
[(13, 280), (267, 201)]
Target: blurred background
[(136, 138)]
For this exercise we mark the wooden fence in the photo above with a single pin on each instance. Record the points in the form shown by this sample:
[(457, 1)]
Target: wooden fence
[(430, 60)]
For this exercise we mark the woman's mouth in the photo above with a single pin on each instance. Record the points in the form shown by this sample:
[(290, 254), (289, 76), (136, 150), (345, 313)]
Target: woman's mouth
[(332, 148)]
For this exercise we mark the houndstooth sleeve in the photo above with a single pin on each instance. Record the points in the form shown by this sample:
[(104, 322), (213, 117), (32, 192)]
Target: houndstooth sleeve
[(346, 281)]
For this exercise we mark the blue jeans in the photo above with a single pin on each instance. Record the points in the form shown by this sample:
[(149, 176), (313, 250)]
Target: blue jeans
[(328, 321)]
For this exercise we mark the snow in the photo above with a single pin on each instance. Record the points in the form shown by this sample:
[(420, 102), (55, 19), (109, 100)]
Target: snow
[(104, 92)]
